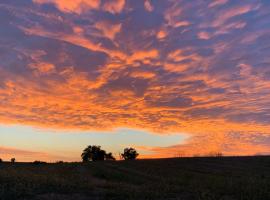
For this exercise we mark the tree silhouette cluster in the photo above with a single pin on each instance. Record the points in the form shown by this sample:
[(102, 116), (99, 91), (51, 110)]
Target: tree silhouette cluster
[(95, 153), (129, 154)]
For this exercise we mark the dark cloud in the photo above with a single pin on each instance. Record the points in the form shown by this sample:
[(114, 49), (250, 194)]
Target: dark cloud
[(170, 101), (210, 113), (252, 117), (138, 86)]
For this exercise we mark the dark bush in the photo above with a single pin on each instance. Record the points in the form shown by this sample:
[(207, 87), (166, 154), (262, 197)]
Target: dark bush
[(38, 162), (129, 154), (109, 156), (95, 153)]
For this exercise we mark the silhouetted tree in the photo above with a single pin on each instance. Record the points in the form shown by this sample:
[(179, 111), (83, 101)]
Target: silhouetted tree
[(130, 154), (1, 160), (13, 160), (95, 153), (109, 156)]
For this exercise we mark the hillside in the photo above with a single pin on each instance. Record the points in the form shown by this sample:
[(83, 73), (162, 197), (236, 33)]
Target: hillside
[(183, 178)]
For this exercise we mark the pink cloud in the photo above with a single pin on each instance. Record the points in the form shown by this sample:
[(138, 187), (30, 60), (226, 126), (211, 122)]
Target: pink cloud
[(148, 6)]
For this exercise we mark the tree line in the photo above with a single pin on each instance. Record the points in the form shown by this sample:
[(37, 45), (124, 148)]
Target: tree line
[(95, 153)]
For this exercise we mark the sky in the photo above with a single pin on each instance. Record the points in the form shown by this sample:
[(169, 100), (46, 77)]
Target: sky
[(168, 78)]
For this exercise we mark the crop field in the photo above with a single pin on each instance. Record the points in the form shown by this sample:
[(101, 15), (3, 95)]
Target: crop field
[(224, 178)]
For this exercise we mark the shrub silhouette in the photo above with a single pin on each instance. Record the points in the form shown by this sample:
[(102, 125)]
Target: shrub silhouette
[(109, 156), (95, 153), (38, 162), (129, 154), (13, 160)]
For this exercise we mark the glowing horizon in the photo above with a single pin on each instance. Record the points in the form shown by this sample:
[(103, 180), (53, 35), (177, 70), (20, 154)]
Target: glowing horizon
[(192, 77), (55, 145)]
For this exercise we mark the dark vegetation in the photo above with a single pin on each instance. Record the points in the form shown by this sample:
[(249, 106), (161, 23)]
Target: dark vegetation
[(201, 178), (129, 154), (95, 153), (38, 162)]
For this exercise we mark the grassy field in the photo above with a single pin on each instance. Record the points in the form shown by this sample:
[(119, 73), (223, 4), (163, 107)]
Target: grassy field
[(226, 178)]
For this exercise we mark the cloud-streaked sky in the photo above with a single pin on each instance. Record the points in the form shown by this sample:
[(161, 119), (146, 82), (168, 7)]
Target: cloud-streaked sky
[(191, 76)]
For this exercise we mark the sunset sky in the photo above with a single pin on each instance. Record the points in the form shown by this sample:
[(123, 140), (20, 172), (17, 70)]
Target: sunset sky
[(168, 77)]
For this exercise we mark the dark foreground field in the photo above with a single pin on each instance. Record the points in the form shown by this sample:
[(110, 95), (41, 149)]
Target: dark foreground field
[(242, 178)]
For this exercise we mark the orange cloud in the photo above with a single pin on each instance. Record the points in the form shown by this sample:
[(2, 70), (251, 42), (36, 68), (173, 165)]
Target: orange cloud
[(76, 39), (43, 68), (141, 55), (209, 145), (72, 6), (114, 6), (161, 34), (108, 30)]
